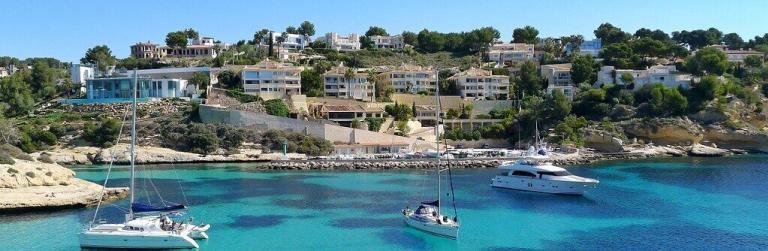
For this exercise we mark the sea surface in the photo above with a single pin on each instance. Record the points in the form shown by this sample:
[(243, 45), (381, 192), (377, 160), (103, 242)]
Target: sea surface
[(668, 204)]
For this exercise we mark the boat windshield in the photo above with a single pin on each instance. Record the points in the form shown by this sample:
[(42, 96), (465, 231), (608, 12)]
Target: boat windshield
[(557, 173)]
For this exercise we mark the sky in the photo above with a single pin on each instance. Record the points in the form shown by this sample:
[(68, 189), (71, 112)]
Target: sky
[(66, 29)]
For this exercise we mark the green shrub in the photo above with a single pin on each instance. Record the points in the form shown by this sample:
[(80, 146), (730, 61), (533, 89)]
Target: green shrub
[(5, 158), (45, 158), (374, 124), (104, 134), (242, 97), (276, 107)]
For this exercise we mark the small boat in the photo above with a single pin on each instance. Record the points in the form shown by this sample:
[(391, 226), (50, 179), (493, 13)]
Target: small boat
[(428, 217), (534, 172), (145, 226)]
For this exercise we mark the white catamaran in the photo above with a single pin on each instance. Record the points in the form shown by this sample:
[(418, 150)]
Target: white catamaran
[(145, 226), (428, 217)]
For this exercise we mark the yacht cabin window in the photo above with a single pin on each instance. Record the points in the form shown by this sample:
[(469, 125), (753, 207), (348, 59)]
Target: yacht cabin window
[(523, 173), (558, 173)]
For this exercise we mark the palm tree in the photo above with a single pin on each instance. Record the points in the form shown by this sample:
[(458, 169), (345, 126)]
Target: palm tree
[(280, 40)]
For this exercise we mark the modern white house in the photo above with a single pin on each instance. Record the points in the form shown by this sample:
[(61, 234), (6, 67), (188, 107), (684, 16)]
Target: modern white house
[(589, 47), (481, 84), (337, 84), (204, 47), (292, 42), (505, 53), (388, 42), (559, 78), (410, 78), (663, 74), (118, 89), (334, 41), (272, 80), (80, 72)]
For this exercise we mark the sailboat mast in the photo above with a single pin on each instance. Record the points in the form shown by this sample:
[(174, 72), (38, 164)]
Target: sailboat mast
[(133, 140), (437, 133)]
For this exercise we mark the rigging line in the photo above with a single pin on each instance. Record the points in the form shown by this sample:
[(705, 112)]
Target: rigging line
[(156, 190), (109, 170), (450, 180)]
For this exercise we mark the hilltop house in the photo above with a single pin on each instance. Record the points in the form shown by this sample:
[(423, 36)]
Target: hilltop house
[(559, 78), (410, 78), (204, 47), (337, 85), (589, 47), (663, 74), (272, 80), (337, 42), (738, 55), (292, 42), (505, 53), (481, 84), (118, 89), (388, 42)]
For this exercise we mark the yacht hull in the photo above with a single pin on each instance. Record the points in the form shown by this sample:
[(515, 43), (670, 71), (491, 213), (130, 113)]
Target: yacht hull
[(442, 230), (542, 186), (136, 241)]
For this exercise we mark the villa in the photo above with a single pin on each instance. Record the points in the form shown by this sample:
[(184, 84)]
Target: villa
[(337, 85), (204, 47), (558, 77), (506, 53), (118, 89), (388, 42), (589, 47), (345, 114), (481, 84), (337, 42), (739, 55), (666, 75), (292, 42), (410, 78), (272, 80)]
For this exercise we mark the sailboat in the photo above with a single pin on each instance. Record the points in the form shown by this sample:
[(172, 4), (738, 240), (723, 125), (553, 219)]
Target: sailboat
[(428, 217), (145, 226)]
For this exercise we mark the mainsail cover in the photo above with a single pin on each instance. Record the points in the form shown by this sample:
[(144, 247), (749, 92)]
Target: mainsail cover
[(141, 208), (431, 203)]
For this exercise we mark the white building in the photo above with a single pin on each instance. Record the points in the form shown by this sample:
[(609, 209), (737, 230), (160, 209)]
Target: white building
[(505, 53), (204, 47), (272, 80), (4, 72), (79, 73), (410, 78), (337, 85), (589, 47), (292, 42), (388, 42), (559, 78), (666, 75), (481, 84), (337, 42)]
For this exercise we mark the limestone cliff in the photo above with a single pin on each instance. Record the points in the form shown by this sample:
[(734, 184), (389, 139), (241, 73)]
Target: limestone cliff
[(744, 138), (602, 141), (28, 185), (665, 131)]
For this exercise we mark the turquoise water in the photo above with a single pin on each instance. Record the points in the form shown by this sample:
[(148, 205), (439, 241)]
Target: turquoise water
[(687, 204)]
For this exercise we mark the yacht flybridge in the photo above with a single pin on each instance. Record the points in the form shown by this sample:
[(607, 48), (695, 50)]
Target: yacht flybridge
[(534, 172), (145, 226), (428, 217)]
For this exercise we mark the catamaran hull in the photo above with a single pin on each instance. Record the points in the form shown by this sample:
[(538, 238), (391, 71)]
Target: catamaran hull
[(542, 186), (446, 231), (111, 240)]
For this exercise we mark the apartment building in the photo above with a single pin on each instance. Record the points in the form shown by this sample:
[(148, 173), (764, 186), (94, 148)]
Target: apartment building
[(272, 80), (204, 47), (663, 74), (338, 84), (410, 78), (481, 84), (558, 77), (388, 42), (739, 55), (337, 42), (345, 114), (506, 53)]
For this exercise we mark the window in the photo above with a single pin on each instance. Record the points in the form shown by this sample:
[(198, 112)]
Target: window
[(523, 173), (558, 173)]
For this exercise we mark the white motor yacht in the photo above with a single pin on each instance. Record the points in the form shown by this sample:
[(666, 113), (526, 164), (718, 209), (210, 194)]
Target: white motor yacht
[(534, 173)]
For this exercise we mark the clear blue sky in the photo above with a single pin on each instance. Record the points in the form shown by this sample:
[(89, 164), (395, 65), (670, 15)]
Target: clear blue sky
[(65, 29)]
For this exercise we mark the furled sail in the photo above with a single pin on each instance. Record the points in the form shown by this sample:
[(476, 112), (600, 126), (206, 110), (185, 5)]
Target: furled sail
[(141, 208)]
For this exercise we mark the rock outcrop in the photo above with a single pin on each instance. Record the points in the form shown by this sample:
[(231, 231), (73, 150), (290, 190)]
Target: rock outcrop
[(700, 150), (665, 131), (29, 185), (602, 141), (751, 140), (155, 155)]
